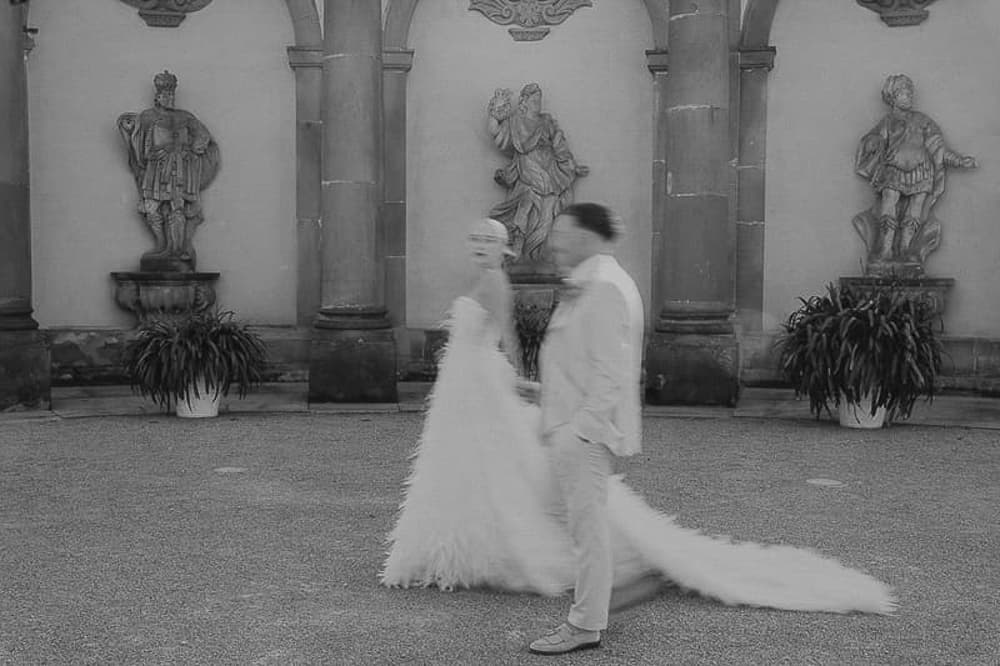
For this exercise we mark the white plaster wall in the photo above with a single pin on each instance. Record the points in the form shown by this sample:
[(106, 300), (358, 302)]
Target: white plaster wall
[(824, 94), (96, 60), (592, 70)]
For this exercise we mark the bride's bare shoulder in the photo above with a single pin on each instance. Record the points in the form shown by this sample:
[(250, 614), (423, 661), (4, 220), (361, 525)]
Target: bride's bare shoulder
[(491, 291)]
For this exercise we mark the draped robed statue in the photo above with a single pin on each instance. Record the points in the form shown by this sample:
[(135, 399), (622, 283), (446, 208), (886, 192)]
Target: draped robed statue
[(540, 175)]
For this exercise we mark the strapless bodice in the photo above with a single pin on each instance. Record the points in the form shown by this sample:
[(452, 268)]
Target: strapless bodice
[(471, 324)]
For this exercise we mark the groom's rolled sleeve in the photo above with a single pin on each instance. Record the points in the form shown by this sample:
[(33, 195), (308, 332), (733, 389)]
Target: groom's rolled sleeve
[(608, 355)]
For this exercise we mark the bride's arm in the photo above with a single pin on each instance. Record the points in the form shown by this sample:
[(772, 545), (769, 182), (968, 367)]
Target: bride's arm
[(499, 303)]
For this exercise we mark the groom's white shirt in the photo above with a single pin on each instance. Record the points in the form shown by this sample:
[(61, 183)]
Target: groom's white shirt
[(591, 360)]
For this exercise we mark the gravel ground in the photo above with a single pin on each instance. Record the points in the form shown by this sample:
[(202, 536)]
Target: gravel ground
[(256, 539)]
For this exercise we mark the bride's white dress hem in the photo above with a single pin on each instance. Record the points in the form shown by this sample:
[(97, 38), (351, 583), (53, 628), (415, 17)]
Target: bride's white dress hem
[(480, 508)]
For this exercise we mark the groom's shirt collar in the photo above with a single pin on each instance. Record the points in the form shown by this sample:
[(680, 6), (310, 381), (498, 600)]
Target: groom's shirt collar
[(584, 271)]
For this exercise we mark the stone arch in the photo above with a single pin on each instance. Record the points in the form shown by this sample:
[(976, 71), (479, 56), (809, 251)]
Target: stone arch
[(305, 22), (757, 21)]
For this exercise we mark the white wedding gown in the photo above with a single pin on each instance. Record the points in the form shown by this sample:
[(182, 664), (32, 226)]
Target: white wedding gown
[(481, 508)]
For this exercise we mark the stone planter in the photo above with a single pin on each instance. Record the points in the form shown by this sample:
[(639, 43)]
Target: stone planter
[(859, 414), (199, 406)]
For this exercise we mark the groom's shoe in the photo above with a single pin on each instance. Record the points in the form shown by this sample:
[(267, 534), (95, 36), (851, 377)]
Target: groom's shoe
[(565, 638)]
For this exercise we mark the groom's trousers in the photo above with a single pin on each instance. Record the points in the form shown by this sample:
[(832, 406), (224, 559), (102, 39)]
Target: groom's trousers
[(582, 469)]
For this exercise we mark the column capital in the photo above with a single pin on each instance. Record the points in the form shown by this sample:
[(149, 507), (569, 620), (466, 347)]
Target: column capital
[(305, 56), (658, 60), (762, 58), (398, 60)]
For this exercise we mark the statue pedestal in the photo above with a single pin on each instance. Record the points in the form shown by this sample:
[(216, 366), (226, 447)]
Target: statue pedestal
[(535, 297), (164, 296), (535, 289), (934, 289)]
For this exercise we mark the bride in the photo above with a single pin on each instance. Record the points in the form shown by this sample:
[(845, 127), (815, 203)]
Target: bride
[(481, 504)]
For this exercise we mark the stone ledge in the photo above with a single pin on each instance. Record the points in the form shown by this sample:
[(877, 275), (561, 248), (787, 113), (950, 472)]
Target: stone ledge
[(93, 356), (969, 364), (947, 410)]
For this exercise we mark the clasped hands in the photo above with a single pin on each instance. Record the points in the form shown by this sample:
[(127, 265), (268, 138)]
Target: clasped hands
[(529, 390)]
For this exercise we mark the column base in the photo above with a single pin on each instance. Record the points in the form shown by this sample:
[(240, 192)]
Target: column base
[(692, 368), (352, 365), (25, 373)]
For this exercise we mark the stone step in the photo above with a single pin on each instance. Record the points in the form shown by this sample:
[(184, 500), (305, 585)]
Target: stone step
[(952, 409)]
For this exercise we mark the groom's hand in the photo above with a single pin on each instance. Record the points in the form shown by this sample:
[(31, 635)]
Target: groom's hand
[(529, 391)]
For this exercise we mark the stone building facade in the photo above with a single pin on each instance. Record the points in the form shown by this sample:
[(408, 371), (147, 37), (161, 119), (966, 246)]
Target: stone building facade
[(355, 149)]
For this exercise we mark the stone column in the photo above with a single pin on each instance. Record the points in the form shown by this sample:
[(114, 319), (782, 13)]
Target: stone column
[(693, 355), (755, 65), (397, 64), (24, 356), (353, 354), (307, 62)]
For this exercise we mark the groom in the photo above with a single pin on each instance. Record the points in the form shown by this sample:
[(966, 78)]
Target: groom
[(590, 367)]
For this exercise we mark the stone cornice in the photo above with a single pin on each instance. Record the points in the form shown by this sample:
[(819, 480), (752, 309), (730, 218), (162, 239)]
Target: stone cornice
[(658, 60), (312, 56), (397, 60), (757, 58), (305, 56)]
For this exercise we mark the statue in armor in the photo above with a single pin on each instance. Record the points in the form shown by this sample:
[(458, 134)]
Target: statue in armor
[(905, 158), (173, 158)]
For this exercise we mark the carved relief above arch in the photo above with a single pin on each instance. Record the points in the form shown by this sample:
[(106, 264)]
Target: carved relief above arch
[(166, 13), (399, 16)]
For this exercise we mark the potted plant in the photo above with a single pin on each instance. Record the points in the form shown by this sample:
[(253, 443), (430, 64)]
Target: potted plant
[(871, 353), (193, 361)]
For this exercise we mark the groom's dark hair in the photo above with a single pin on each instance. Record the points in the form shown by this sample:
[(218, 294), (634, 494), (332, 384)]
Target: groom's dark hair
[(594, 217)]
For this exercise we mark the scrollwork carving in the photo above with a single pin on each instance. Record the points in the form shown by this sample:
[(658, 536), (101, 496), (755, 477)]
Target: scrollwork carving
[(898, 13), (531, 17), (166, 13)]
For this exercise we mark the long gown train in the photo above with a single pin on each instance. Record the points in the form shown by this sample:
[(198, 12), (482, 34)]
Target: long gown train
[(480, 508)]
